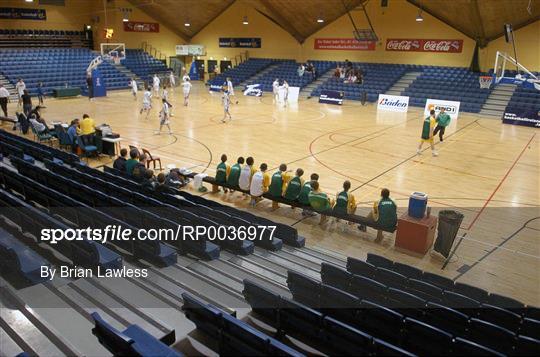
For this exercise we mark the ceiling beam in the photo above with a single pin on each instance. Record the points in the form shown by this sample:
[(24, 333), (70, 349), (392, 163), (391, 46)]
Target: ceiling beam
[(442, 19), (515, 28), (478, 24), (276, 17), (353, 4)]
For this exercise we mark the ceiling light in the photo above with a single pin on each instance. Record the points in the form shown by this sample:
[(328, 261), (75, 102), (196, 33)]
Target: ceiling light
[(320, 20), (29, 0), (187, 24), (245, 21), (88, 27), (419, 18), (125, 19)]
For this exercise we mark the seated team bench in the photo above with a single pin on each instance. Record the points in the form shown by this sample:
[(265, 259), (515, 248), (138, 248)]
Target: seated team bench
[(346, 217), (133, 341)]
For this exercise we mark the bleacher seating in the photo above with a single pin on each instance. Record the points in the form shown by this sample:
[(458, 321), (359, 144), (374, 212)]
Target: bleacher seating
[(406, 320), (448, 83), (234, 337), (55, 67), (26, 38), (243, 71), (133, 341), (377, 79), (143, 64), (525, 98), (18, 258), (287, 70)]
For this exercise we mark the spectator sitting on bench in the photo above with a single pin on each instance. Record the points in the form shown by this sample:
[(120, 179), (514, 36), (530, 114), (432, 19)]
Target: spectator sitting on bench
[(234, 173), (294, 187), (222, 172), (120, 162), (72, 134), (174, 180), (345, 201), (383, 214), (259, 184), (278, 184), (319, 201), (87, 125), (149, 182), (130, 164), (246, 174), (140, 168), (303, 198), (38, 126)]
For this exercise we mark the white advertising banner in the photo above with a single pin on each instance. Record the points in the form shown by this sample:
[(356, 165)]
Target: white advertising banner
[(452, 108), (292, 95), (182, 50), (393, 103)]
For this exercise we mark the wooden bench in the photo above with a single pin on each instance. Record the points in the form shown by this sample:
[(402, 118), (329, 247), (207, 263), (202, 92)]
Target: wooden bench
[(346, 217)]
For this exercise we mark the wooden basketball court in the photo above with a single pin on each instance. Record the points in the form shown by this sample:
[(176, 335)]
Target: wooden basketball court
[(485, 170)]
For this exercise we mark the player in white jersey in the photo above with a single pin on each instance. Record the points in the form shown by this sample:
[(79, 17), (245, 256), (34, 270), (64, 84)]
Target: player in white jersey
[(147, 102), (164, 116), (226, 100), (186, 87), (285, 88), (134, 88), (172, 80), (230, 88), (156, 82), (21, 87), (275, 90)]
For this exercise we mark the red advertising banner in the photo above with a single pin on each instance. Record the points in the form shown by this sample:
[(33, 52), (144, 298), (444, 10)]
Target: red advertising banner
[(421, 45), (134, 26), (345, 44)]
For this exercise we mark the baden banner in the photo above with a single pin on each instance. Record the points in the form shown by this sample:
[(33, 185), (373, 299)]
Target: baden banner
[(422, 45), (522, 116), (452, 108), (346, 44), (331, 97), (240, 42), (393, 103), (255, 90), (13, 13)]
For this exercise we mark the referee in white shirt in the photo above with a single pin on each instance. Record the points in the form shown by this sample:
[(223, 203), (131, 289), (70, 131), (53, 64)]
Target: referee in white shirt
[(4, 97)]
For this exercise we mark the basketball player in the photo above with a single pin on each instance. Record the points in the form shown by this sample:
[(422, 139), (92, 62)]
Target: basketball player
[(185, 76), (443, 120), (147, 102), (427, 133), (134, 89), (172, 81), (164, 116), (21, 87), (226, 100), (156, 82), (275, 89), (230, 88), (186, 87), (285, 88)]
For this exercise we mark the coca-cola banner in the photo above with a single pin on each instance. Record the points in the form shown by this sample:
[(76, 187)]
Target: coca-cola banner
[(420, 45), (134, 26), (346, 44)]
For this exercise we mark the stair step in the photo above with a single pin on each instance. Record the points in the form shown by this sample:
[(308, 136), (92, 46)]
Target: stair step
[(494, 106), (497, 101), (491, 113)]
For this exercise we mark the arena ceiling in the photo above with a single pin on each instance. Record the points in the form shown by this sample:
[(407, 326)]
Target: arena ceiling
[(481, 20)]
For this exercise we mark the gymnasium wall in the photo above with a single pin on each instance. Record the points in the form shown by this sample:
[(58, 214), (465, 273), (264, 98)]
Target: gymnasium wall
[(396, 21), (76, 13), (527, 45), (276, 42)]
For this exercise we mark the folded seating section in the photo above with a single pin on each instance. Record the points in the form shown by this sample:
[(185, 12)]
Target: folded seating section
[(243, 71), (444, 316), (55, 67), (29, 38), (143, 64), (233, 336)]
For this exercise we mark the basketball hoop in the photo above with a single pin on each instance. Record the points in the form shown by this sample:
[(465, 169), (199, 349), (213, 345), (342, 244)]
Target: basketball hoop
[(485, 81)]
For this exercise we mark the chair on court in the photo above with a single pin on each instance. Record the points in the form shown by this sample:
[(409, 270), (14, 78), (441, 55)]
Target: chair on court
[(151, 159)]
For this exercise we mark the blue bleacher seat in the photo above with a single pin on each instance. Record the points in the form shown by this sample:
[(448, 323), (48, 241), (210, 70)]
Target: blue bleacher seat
[(133, 341)]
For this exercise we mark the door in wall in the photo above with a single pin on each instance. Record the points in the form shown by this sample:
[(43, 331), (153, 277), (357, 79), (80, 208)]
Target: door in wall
[(200, 68), (212, 64), (224, 65)]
